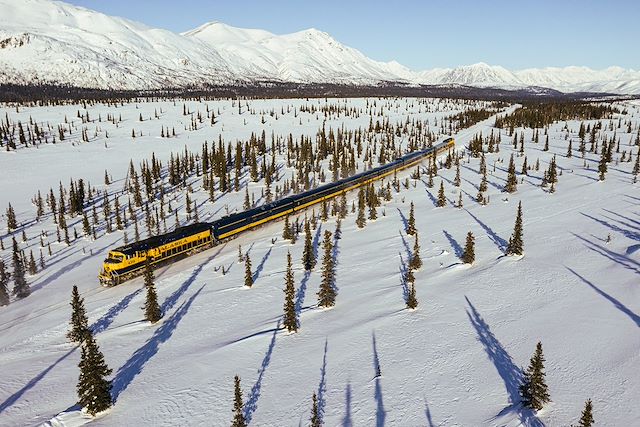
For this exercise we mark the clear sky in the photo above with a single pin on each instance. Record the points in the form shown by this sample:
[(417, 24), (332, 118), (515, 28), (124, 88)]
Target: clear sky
[(425, 34)]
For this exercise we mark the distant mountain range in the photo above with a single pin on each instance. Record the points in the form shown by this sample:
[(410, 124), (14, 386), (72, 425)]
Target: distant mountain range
[(44, 41)]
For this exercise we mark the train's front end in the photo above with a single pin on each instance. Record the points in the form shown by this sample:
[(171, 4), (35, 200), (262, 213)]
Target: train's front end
[(112, 264)]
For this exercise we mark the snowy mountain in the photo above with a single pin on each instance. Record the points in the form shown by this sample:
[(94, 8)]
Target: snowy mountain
[(44, 41)]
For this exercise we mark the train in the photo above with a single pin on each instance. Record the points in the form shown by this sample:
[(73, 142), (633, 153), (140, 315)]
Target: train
[(126, 262)]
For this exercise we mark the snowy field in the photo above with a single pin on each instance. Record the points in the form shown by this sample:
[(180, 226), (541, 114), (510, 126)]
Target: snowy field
[(455, 361)]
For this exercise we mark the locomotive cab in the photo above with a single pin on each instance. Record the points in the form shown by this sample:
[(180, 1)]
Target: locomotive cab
[(113, 262)]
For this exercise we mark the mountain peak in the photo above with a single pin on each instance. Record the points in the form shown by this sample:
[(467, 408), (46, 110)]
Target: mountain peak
[(71, 45)]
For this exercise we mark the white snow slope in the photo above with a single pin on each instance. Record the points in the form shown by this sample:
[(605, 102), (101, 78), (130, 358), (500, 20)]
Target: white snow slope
[(44, 41), (455, 361)]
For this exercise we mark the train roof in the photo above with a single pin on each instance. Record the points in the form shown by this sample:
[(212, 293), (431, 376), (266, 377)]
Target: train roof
[(155, 241)]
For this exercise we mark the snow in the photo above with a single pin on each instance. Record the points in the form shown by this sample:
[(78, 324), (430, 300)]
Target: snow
[(49, 41), (456, 360)]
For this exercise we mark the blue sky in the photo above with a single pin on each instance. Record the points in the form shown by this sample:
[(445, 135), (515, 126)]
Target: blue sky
[(426, 34)]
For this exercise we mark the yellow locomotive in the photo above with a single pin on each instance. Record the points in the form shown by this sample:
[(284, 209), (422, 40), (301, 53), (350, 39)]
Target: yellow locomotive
[(126, 262)]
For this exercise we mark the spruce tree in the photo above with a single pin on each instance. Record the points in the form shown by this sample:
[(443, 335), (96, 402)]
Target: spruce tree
[(32, 267), (20, 286), (248, 276), (442, 200), (416, 261), (315, 414), (515, 246), (512, 181), (602, 166), (290, 318), (409, 276), (308, 256), (412, 301), (79, 323), (361, 220), (586, 420), (238, 406), (469, 255), (4, 284), (286, 230), (411, 222), (152, 311), (12, 224), (327, 293), (94, 390), (533, 389)]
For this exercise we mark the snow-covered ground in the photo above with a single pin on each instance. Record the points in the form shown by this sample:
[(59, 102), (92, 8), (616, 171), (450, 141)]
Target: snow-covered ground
[(455, 361)]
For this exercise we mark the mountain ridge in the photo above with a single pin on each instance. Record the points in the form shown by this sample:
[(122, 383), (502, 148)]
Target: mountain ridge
[(51, 42)]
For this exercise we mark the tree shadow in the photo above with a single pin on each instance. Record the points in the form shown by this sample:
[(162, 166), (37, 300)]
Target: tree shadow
[(316, 240), (261, 265), (301, 292), (18, 394), (67, 268), (173, 298), (633, 235), (405, 222), (623, 260), (346, 420), (252, 403), (107, 319), (617, 304), (141, 356), (457, 249), (407, 249), (381, 414), (403, 278), (497, 240), (322, 386), (431, 197), (636, 223), (510, 373), (427, 413)]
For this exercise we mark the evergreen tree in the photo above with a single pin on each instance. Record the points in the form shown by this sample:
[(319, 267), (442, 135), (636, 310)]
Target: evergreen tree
[(411, 222), (516, 244), (290, 318), (586, 420), (238, 406), (286, 231), (20, 286), (94, 391), (442, 200), (308, 256), (79, 323), (416, 261), (12, 224), (456, 180), (469, 255), (32, 267), (409, 277), (152, 311), (315, 414), (412, 301), (533, 389), (4, 284), (512, 181), (327, 293), (602, 166), (248, 276), (361, 220)]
